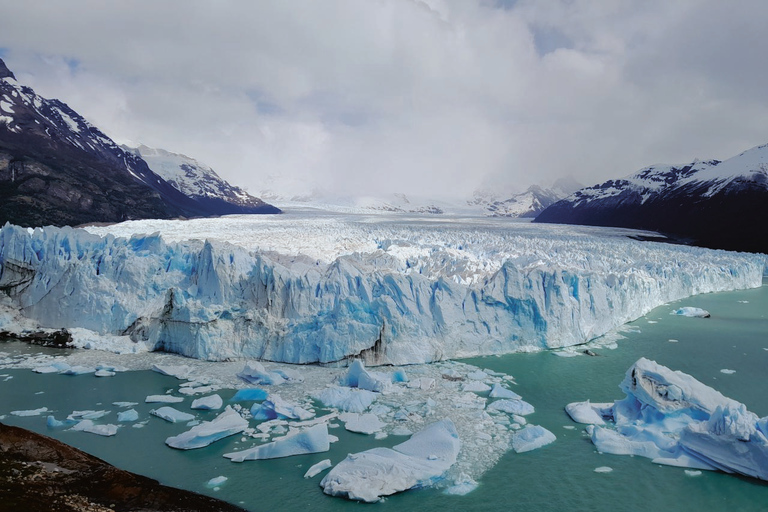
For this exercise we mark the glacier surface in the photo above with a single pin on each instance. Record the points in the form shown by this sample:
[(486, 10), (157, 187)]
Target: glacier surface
[(322, 288)]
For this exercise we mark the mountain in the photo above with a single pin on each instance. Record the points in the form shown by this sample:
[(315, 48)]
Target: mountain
[(526, 204), (56, 168), (718, 204), (198, 181)]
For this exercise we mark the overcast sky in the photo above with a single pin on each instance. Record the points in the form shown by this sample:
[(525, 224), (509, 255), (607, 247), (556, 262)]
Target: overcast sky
[(436, 97)]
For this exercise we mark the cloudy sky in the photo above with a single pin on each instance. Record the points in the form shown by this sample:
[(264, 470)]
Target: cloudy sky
[(435, 97)]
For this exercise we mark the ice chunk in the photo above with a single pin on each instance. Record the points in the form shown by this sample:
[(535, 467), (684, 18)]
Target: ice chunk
[(104, 373), (358, 377), (345, 399), (53, 423), (87, 415), (531, 438), (226, 424), (727, 371), (216, 482), (30, 412), (172, 415), (399, 376), (603, 469), (164, 399), (127, 416), (362, 423), (499, 391), (512, 406), (124, 404), (181, 372), (476, 386), (691, 312), (418, 462), (249, 395), (311, 440), (277, 408), (78, 370), (462, 486), (255, 373), (584, 412), (208, 403), (90, 427), (318, 468)]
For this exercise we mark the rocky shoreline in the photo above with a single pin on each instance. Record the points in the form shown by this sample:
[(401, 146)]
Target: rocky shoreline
[(40, 473)]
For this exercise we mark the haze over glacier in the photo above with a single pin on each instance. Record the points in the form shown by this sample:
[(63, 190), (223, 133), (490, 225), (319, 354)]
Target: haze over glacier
[(390, 289)]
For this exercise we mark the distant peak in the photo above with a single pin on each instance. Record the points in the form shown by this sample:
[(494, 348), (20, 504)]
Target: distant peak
[(4, 71)]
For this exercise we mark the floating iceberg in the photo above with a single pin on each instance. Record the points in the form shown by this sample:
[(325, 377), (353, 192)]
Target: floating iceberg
[(674, 419), (587, 413), (127, 416), (362, 423), (212, 402), (318, 468), (216, 482), (90, 427), (277, 408), (418, 462), (403, 294), (311, 440), (249, 395), (512, 406), (30, 412), (531, 438), (499, 391), (226, 424), (172, 415), (345, 399), (691, 312), (163, 399)]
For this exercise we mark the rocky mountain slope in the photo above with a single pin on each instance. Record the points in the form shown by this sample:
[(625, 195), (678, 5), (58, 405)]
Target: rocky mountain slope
[(56, 168), (719, 204)]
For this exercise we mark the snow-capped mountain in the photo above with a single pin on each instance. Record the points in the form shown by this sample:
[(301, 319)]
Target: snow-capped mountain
[(197, 180), (57, 168), (722, 204), (526, 204)]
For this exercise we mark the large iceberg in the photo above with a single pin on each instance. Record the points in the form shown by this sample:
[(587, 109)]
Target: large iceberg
[(672, 418), (418, 462), (404, 294), (311, 440), (226, 424)]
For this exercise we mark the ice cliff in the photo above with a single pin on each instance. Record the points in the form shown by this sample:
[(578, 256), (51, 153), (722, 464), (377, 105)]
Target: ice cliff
[(418, 296)]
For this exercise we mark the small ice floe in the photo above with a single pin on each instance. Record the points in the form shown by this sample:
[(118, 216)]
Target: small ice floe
[(104, 373), (512, 406), (672, 340), (310, 440), (345, 399), (208, 403), (215, 483), (198, 390), (55, 367), (172, 415), (727, 371), (476, 386), (124, 404), (127, 416), (78, 370), (462, 486), (531, 438), (588, 413), (30, 412), (163, 399), (87, 415), (692, 472), (499, 391), (228, 423), (362, 423), (53, 423), (419, 462), (603, 469), (249, 395), (90, 427), (181, 372), (691, 312), (277, 408), (318, 468)]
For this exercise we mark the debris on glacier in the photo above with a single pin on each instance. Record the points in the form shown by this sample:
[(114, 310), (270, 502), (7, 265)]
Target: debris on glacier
[(692, 312), (318, 468), (366, 423), (209, 403), (419, 462), (531, 438), (310, 440), (228, 423), (673, 419), (172, 415)]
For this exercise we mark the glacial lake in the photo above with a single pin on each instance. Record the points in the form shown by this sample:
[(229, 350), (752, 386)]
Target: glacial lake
[(557, 477)]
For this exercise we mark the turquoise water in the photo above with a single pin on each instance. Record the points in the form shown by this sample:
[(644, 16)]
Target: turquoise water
[(557, 477)]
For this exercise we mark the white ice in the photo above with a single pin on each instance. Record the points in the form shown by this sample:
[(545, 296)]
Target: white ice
[(211, 402), (587, 413), (166, 399), (531, 438), (512, 406), (318, 468), (367, 423), (172, 415), (692, 312), (499, 391), (421, 461), (310, 440), (276, 408), (30, 412), (127, 416), (226, 424), (92, 428), (345, 399)]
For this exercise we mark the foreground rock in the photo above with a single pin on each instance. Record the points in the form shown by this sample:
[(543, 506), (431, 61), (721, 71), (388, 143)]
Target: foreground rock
[(40, 473)]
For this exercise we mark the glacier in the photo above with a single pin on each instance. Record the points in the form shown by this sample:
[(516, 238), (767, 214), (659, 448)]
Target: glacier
[(325, 288), (673, 419)]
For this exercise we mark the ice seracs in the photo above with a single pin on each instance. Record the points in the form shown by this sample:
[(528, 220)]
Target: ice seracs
[(419, 462), (674, 419)]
